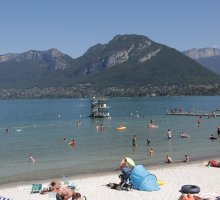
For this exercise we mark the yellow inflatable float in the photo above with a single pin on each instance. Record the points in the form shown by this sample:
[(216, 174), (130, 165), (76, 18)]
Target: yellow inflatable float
[(121, 127)]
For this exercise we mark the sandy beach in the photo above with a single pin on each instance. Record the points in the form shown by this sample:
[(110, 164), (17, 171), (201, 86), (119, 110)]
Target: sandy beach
[(93, 186)]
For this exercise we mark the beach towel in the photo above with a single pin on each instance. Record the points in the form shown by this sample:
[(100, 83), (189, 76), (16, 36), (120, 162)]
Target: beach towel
[(36, 188)]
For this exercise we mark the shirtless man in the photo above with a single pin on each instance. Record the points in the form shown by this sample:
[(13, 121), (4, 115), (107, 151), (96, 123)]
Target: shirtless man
[(65, 192)]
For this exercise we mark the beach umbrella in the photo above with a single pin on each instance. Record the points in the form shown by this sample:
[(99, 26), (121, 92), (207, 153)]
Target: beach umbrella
[(130, 161)]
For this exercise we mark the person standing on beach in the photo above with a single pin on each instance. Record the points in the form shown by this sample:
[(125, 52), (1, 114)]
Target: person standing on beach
[(169, 134), (134, 141)]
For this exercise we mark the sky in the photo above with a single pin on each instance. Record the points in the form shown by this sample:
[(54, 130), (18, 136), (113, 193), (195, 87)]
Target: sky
[(73, 26)]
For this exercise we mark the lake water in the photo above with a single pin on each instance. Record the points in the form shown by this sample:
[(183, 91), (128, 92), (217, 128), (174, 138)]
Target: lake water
[(38, 128)]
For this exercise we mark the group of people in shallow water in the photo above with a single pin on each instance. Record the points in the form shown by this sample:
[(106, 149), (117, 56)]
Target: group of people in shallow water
[(151, 151), (71, 143)]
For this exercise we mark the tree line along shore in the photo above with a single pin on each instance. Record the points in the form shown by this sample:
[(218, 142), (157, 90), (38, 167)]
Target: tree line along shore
[(88, 91)]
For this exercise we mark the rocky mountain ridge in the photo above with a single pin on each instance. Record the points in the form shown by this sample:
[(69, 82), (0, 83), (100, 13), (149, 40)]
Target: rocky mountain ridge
[(208, 57), (121, 49), (202, 53), (52, 57)]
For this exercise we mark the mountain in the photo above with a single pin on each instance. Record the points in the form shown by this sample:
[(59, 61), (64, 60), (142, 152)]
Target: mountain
[(125, 61), (135, 60), (33, 68), (53, 58), (208, 57)]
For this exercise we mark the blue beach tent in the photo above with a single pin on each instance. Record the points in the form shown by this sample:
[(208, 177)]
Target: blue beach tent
[(141, 179)]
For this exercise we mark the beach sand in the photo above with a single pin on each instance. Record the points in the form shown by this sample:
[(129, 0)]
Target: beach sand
[(93, 186)]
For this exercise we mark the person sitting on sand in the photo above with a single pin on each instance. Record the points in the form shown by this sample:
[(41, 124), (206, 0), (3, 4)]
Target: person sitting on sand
[(186, 158), (168, 159), (213, 163), (123, 163), (64, 191)]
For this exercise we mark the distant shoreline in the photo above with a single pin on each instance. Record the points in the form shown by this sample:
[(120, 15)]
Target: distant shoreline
[(89, 91)]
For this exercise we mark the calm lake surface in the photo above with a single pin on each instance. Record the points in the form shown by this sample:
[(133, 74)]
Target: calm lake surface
[(38, 128)]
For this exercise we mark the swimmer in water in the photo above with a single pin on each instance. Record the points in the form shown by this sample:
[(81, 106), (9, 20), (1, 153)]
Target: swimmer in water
[(151, 151), (73, 142), (31, 159)]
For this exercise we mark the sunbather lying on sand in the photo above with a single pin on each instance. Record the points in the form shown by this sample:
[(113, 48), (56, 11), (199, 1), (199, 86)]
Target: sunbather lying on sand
[(65, 192), (189, 197), (213, 163)]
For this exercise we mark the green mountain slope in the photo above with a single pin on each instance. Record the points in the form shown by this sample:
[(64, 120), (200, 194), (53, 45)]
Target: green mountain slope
[(162, 65)]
